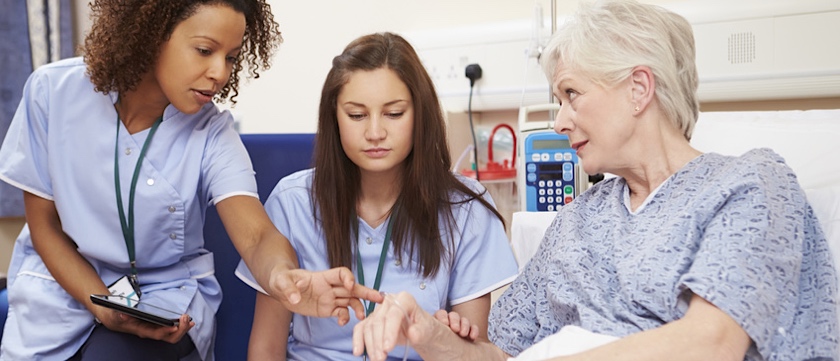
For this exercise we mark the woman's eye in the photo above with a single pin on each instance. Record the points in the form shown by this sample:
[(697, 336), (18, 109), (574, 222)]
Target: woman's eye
[(231, 59), (395, 115), (571, 94), (203, 51), (356, 116)]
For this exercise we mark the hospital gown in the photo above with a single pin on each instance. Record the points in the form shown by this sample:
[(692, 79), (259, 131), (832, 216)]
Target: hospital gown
[(736, 231)]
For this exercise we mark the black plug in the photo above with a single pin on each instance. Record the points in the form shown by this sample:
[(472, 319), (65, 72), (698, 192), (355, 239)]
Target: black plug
[(473, 72)]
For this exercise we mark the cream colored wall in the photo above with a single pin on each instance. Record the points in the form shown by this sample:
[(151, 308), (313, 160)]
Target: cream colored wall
[(316, 31)]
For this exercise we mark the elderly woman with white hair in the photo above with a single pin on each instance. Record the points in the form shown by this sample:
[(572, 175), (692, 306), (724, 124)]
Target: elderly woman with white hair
[(683, 255)]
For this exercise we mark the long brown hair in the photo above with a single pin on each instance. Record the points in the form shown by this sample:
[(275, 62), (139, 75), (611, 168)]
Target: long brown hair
[(125, 39), (428, 190)]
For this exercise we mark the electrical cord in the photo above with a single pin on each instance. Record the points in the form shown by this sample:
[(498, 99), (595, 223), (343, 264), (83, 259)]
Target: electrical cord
[(473, 72)]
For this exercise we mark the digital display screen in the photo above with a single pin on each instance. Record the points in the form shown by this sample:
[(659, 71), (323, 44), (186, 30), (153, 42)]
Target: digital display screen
[(550, 176), (551, 167), (550, 144)]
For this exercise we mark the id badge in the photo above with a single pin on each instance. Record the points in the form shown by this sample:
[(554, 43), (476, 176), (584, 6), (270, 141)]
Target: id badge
[(126, 288)]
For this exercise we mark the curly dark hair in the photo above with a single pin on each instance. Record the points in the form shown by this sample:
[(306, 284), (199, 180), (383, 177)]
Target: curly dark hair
[(126, 37)]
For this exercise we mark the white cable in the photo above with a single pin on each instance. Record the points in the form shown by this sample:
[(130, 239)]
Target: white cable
[(461, 157), (393, 299), (524, 80), (534, 48)]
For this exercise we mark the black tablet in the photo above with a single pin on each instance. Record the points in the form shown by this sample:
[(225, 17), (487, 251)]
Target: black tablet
[(143, 311)]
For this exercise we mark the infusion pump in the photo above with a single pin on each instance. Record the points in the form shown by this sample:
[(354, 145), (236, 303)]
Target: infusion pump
[(549, 173)]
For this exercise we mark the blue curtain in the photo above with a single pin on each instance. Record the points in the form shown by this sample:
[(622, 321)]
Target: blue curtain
[(32, 33)]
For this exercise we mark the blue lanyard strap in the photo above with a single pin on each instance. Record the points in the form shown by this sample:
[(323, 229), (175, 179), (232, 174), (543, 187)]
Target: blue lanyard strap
[(383, 255), (127, 223)]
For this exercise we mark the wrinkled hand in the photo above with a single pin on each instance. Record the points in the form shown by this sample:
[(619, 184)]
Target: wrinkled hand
[(397, 320), (460, 325), (120, 322), (322, 294)]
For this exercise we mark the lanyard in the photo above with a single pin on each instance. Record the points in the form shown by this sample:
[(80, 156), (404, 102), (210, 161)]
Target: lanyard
[(382, 256), (128, 223)]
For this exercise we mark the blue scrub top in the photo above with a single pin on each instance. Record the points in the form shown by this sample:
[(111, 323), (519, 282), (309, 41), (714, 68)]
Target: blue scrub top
[(483, 262), (61, 147)]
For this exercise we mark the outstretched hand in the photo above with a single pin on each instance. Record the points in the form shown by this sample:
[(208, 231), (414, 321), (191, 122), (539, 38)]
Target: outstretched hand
[(322, 294)]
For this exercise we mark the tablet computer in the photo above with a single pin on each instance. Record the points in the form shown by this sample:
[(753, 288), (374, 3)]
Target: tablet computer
[(141, 310)]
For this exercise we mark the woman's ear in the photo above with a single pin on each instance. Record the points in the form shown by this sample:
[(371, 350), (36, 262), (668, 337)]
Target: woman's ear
[(643, 87)]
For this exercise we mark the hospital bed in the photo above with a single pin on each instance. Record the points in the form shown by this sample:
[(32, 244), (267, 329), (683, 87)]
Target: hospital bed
[(808, 140)]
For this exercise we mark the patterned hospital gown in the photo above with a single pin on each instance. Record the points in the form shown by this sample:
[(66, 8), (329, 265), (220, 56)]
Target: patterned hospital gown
[(736, 231)]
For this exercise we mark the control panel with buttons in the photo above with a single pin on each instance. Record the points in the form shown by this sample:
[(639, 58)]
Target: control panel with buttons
[(551, 171)]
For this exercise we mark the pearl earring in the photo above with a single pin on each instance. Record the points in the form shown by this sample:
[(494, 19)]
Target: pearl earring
[(636, 108)]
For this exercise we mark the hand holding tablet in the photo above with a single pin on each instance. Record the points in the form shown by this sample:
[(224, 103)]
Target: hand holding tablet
[(138, 309)]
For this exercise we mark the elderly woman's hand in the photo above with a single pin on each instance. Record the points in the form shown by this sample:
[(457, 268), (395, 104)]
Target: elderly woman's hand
[(397, 320), (322, 294)]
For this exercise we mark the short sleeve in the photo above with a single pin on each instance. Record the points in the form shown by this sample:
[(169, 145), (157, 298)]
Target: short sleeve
[(750, 254), (227, 167), (483, 246), (25, 152), (513, 324)]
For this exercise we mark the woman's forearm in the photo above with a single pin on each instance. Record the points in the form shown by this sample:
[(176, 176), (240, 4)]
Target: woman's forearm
[(705, 333), (270, 330), (263, 248), (59, 253)]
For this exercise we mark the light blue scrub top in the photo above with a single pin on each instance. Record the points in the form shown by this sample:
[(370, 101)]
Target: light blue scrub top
[(483, 262), (61, 147), (736, 231)]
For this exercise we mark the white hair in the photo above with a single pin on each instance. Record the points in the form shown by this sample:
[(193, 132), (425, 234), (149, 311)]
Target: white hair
[(605, 40)]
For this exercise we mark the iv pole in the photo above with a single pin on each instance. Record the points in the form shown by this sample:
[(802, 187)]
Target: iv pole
[(551, 113)]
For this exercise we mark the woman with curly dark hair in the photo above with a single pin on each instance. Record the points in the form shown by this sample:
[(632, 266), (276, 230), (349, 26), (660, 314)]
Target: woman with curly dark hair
[(119, 153)]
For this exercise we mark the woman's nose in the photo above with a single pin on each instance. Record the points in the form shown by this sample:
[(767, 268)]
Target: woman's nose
[(375, 131), (218, 70), (562, 122)]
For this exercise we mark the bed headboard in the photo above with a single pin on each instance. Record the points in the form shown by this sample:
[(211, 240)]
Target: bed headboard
[(808, 140)]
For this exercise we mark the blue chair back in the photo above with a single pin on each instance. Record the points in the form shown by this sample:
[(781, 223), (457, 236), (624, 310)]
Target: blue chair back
[(4, 308), (274, 156)]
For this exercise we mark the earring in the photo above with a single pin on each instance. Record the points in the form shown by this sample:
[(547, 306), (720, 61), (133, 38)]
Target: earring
[(636, 108)]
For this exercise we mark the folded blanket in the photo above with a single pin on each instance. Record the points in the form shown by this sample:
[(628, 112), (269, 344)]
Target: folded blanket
[(568, 341)]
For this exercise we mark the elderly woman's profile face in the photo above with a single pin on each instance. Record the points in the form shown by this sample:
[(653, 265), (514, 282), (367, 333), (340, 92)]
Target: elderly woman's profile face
[(597, 119)]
